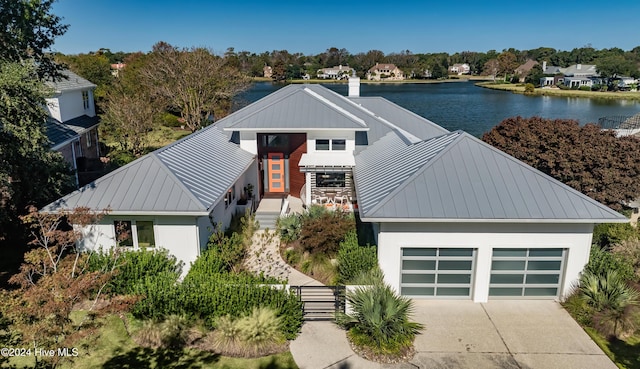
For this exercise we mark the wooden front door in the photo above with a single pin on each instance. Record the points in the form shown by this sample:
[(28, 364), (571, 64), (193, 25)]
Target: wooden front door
[(276, 171)]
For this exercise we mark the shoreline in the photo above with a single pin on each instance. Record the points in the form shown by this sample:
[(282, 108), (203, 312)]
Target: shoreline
[(483, 82), (556, 92)]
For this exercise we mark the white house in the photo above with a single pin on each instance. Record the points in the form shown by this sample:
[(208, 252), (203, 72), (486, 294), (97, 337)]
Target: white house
[(72, 126), (337, 72), (454, 217), (386, 71), (460, 69)]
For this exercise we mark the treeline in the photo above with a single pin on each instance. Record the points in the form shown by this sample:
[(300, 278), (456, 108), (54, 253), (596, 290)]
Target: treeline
[(286, 65)]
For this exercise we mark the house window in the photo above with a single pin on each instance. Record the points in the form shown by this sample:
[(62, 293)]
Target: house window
[(85, 99), (136, 234), (322, 145), (229, 197), (330, 179), (87, 137), (124, 234), (146, 236), (338, 144)]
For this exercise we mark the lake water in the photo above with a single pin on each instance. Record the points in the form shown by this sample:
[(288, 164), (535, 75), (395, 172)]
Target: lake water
[(462, 105)]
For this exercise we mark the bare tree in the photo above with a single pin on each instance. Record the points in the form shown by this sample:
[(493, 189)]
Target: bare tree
[(194, 82), (129, 115)]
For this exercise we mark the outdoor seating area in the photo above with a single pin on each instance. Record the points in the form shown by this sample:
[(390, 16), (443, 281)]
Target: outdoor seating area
[(333, 199)]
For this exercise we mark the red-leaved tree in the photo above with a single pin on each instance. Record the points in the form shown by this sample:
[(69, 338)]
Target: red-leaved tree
[(587, 158)]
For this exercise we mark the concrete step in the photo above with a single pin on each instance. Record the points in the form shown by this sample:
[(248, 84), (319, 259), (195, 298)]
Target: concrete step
[(267, 219)]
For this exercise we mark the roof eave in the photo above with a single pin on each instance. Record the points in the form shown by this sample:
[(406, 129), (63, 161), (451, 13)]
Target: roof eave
[(287, 130), (477, 220)]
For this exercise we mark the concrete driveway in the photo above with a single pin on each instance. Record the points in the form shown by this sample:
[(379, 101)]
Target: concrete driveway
[(463, 334), (503, 334)]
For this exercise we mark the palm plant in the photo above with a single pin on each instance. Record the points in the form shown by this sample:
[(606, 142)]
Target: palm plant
[(380, 320), (610, 295)]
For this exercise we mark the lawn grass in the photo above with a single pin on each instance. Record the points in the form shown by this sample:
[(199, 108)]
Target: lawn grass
[(624, 353), (519, 88), (113, 348)]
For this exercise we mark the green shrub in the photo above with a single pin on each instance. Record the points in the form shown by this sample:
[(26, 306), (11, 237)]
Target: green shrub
[(602, 261), (323, 234), (171, 120), (579, 308), (353, 259), (160, 297), (607, 234), (134, 266), (529, 88), (629, 250), (584, 88), (289, 227), (380, 320), (222, 255)]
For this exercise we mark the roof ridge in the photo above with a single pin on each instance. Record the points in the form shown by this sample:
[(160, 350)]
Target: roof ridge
[(427, 164), (284, 96), (339, 109), (546, 176), (406, 135), (175, 178)]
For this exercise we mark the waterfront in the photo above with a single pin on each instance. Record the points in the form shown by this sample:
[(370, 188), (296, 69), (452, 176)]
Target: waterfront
[(474, 109)]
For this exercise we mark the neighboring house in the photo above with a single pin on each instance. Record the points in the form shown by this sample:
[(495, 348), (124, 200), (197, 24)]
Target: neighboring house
[(72, 126), (116, 68), (453, 216), (337, 72), (553, 75), (523, 70), (385, 72), (579, 75), (460, 69), (267, 71)]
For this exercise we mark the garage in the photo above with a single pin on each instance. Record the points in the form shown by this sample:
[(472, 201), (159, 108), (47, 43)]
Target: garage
[(526, 273), (437, 272)]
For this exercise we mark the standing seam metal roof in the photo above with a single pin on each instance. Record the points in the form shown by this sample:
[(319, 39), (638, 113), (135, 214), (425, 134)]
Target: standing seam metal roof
[(466, 179), (188, 176)]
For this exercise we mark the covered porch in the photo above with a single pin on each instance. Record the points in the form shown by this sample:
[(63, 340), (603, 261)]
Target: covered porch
[(329, 181)]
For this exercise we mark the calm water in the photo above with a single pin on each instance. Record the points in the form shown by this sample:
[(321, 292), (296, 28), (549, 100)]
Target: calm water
[(474, 109)]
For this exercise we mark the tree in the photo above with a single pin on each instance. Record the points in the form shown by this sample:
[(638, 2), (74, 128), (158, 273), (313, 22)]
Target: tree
[(27, 31), (507, 64), (534, 75), (94, 67), (614, 66), (193, 81), (592, 161), (29, 172), (491, 68), (129, 116), (54, 281)]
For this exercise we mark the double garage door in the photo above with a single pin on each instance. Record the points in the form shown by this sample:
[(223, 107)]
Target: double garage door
[(449, 272)]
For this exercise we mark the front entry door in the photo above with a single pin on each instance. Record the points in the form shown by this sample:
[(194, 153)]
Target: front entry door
[(276, 171)]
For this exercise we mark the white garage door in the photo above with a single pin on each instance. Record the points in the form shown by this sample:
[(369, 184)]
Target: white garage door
[(441, 272), (527, 273)]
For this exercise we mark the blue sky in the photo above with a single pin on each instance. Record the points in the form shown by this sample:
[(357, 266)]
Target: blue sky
[(358, 26)]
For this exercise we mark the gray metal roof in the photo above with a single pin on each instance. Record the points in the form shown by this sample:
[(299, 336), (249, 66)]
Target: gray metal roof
[(457, 177), (71, 82), (297, 108), (206, 163), (399, 117), (59, 133), (187, 177)]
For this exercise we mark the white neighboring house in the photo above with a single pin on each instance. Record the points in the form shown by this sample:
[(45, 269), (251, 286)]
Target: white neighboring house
[(386, 71), (460, 69), (72, 126), (337, 72), (453, 216)]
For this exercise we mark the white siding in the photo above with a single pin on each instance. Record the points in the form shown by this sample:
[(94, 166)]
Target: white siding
[(249, 142), (179, 235), (576, 238), (69, 105)]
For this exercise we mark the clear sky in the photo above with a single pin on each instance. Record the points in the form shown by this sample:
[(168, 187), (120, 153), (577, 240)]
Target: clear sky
[(311, 27)]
